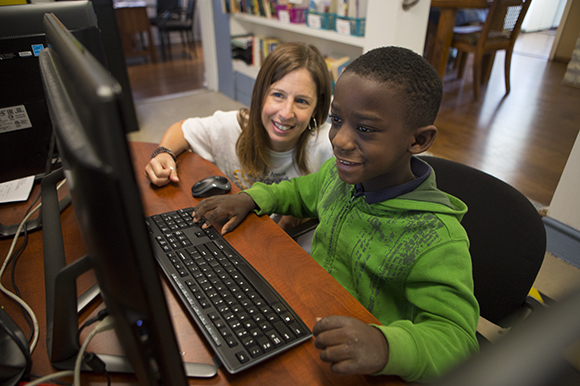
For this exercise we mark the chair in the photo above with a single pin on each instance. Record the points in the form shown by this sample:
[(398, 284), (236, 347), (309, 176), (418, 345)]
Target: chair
[(167, 23), (165, 9), (507, 240), (499, 32)]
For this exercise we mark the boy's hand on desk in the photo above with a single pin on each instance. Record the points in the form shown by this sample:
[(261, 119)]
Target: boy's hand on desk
[(350, 346), (234, 208), (289, 222), (161, 170)]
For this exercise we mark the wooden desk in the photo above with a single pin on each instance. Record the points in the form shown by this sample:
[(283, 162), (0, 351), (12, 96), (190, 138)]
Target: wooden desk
[(309, 290), (133, 22), (444, 36)]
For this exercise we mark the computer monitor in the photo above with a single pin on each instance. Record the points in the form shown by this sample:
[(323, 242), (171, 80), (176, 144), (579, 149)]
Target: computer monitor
[(85, 105), (25, 128), (542, 350)]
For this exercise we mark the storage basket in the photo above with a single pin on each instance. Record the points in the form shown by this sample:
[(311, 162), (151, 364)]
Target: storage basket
[(355, 27), (320, 20), (295, 15)]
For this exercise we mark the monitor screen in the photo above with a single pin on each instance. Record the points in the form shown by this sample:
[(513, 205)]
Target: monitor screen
[(25, 127), (85, 105)]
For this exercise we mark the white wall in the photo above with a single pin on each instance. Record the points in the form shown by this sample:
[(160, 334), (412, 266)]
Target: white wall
[(565, 205), (542, 15)]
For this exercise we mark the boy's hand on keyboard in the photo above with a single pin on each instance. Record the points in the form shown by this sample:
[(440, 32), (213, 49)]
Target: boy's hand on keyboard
[(232, 207), (350, 346)]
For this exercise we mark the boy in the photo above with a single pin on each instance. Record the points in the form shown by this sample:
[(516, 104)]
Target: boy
[(386, 233)]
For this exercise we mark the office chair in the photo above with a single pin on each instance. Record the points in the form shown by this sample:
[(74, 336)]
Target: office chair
[(183, 24), (499, 32), (165, 9), (507, 240)]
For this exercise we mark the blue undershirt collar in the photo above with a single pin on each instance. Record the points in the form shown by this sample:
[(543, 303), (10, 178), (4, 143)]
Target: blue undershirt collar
[(421, 171)]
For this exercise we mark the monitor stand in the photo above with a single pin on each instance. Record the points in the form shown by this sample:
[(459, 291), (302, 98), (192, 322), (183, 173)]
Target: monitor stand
[(62, 303)]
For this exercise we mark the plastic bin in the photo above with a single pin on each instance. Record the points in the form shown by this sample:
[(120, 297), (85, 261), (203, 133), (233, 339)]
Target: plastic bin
[(350, 26), (320, 20), (293, 15)]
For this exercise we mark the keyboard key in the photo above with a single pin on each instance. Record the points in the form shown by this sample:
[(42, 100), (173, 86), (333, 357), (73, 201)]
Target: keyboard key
[(242, 357), (274, 337), (255, 351), (265, 343), (284, 331)]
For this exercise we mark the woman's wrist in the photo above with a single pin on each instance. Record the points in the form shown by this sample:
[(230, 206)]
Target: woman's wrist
[(163, 149)]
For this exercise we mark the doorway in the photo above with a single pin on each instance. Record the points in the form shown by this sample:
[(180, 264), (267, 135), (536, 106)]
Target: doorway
[(183, 71)]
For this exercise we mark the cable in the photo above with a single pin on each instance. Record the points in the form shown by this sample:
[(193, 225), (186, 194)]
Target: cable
[(50, 377), (5, 264), (14, 260), (23, 348), (10, 294), (100, 316), (16, 289), (105, 324)]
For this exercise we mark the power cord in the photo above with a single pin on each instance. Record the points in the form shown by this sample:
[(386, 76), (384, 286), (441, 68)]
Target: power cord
[(51, 377), (11, 295), (13, 270), (106, 324), (92, 360), (102, 314)]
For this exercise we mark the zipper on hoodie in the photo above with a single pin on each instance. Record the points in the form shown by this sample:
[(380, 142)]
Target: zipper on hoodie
[(336, 229)]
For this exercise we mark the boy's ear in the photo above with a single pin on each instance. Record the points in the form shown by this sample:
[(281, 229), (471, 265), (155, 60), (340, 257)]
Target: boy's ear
[(424, 137)]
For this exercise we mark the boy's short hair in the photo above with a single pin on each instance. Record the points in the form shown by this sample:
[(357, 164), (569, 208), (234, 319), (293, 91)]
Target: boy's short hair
[(420, 84)]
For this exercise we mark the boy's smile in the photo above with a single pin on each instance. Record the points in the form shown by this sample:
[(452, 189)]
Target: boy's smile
[(371, 143)]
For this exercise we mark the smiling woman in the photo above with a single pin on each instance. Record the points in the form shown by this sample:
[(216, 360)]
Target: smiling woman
[(276, 139), (281, 136), (288, 109)]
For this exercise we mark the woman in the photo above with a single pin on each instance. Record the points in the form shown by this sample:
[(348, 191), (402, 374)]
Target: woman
[(282, 135)]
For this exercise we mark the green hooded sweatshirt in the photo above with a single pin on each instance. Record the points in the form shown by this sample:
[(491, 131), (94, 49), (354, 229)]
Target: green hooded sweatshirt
[(405, 259)]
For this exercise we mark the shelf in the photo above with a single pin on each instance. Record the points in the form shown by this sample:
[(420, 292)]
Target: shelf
[(303, 29), (241, 67)]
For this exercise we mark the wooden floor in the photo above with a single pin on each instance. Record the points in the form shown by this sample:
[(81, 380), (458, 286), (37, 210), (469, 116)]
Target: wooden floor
[(523, 138), (185, 72)]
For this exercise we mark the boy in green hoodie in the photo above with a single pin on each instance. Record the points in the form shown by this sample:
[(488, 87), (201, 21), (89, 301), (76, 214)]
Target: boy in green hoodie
[(386, 233)]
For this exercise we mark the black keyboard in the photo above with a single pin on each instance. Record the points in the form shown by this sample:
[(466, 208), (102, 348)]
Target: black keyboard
[(242, 317)]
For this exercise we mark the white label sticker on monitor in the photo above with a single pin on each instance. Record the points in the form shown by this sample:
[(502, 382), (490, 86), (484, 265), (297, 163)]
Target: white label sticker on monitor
[(14, 118)]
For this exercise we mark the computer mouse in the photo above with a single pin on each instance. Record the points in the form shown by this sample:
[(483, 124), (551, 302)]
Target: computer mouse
[(211, 186)]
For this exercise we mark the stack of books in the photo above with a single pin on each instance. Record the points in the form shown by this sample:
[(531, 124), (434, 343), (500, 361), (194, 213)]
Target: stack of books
[(252, 49)]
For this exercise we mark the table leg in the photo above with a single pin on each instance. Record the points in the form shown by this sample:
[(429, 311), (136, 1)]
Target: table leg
[(440, 52)]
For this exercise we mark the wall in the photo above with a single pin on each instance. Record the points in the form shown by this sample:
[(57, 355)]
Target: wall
[(565, 205), (567, 34), (541, 15)]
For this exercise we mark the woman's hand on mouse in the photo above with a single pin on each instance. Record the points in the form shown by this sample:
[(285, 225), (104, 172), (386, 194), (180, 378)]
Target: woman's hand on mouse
[(161, 170), (232, 207)]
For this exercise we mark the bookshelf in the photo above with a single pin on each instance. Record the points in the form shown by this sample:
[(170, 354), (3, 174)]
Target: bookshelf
[(386, 24)]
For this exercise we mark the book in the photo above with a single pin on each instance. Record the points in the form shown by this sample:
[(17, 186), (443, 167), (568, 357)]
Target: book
[(336, 64), (268, 45)]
